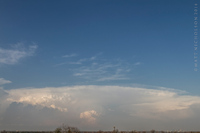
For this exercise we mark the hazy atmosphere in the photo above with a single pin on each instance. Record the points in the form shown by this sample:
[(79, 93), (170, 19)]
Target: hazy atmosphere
[(95, 64)]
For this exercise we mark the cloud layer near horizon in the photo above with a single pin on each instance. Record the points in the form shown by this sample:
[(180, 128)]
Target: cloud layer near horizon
[(97, 107)]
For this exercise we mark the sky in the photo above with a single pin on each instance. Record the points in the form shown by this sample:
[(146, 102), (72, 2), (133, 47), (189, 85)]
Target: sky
[(95, 64)]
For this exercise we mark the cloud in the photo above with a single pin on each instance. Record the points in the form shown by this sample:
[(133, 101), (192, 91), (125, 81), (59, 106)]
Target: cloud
[(3, 81), (98, 69), (137, 63), (118, 75), (70, 55), (101, 70), (89, 116), (104, 106), (44, 97), (12, 56), (30, 117), (79, 62)]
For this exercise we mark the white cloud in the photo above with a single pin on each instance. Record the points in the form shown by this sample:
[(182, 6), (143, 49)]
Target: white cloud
[(70, 55), (98, 69), (3, 81), (12, 56), (79, 62), (137, 63), (93, 58), (44, 97), (89, 116), (62, 97), (108, 105), (118, 75), (102, 71), (60, 64)]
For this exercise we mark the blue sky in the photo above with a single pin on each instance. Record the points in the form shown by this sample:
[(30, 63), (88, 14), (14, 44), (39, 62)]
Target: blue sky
[(54, 45)]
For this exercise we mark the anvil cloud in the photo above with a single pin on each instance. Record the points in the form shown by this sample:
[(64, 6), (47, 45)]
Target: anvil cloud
[(93, 107)]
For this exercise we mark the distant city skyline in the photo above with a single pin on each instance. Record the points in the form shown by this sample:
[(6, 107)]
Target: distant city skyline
[(97, 64)]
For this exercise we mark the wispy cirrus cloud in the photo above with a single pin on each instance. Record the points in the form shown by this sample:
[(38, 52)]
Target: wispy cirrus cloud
[(113, 77), (137, 63), (80, 61), (98, 68), (17, 52), (4, 81), (70, 55), (103, 70), (88, 60)]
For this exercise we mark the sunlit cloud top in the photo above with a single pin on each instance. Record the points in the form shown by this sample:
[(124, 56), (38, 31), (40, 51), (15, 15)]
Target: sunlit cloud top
[(90, 105)]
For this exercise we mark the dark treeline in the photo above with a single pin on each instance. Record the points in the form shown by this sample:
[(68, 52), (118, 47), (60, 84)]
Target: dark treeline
[(104, 132)]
